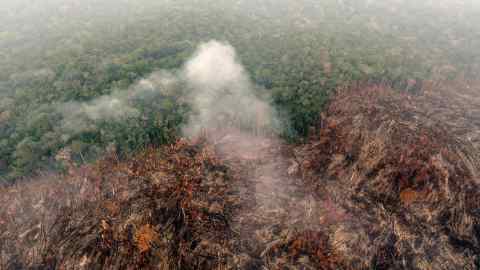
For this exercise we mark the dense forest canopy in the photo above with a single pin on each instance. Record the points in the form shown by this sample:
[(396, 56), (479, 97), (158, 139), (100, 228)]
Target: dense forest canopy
[(58, 57)]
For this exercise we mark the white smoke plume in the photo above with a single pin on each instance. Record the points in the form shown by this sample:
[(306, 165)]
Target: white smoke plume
[(80, 116), (219, 92), (117, 106), (222, 94)]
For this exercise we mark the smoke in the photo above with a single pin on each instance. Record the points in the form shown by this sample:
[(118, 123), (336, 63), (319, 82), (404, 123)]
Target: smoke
[(104, 108), (81, 116), (213, 82), (222, 94), (118, 106)]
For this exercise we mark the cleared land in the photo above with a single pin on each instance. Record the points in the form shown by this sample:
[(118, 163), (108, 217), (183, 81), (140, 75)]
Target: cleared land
[(388, 181)]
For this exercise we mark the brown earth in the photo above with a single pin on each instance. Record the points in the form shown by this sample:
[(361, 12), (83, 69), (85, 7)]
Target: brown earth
[(389, 181)]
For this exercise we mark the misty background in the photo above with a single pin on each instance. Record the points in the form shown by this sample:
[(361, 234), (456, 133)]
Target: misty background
[(86, 75)]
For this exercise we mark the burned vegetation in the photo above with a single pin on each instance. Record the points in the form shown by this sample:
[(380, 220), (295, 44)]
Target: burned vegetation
[(167, 208), (384, 183), (404, 175)]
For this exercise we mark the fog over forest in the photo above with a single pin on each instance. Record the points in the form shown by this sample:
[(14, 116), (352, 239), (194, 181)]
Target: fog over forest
[(58, 52), (239, 134)]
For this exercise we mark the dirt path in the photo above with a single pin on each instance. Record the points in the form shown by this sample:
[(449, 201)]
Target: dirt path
[(279, 206)]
